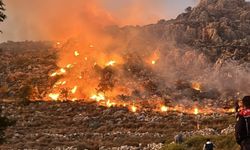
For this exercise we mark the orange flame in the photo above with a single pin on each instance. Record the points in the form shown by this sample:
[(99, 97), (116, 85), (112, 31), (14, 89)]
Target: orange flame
[(98, 97), (164, 108), (76, 53), (111, 63), (54, 96), (74, 90), (196, 111), (133, 108)]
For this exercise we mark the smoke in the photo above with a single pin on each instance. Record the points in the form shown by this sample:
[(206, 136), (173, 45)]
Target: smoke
[(62, 19), (56, 20)]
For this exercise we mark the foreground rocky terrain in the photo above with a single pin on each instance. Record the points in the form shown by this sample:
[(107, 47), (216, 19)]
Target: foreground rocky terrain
[(79, 125)]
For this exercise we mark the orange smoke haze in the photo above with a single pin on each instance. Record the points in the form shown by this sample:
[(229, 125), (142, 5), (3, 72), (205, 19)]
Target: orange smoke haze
[(62, 19)]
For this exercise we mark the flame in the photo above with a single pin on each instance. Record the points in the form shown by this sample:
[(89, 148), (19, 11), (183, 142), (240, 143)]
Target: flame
[(53, 74), (69, 66), (111, 63), (164, 108), (196, 86), (76, 53), (154, 57), (196, 111), (133, 108), (98, 97), (62, 70), (74, 90), (110, 104), (54, 96)]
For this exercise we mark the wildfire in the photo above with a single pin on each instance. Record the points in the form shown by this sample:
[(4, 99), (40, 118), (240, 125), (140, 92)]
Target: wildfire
[(164, 108), (53, 74), (196, 111), (69, 66), (77, 53), (133, 108), (81, 69), (62, 70), (110, 104), (111, 63), (54, 96), (153, 62), (98, 97), (74, 90)]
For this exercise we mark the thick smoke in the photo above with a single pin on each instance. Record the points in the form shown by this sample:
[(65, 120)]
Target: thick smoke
[(62, 19)]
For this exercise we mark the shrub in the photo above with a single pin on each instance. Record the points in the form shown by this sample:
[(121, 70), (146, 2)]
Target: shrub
[(174, 147)]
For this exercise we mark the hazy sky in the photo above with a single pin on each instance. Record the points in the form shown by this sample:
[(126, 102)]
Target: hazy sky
[(25, 16)]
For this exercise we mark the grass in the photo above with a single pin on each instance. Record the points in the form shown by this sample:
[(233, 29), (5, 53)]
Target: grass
[(223, 142)]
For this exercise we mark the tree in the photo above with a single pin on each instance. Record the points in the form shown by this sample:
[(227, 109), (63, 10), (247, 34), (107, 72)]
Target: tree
[(2, 15), (188, 9)]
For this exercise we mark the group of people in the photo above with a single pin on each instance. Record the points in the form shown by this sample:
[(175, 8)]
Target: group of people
[(242, 127)]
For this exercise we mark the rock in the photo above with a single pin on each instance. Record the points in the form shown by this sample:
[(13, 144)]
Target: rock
[(229, 130)]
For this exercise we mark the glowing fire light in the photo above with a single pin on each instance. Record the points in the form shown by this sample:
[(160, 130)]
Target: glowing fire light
[(153, 62), (74, 90), (196, 111), (133, 108), (110, 104), (196, 86), (91, 46), (76, 53), (53, 74), (164, 108), (98, 97), (62, 70), (58, 43), (69, 66), (86, 58), (54, 96), (111, 63)]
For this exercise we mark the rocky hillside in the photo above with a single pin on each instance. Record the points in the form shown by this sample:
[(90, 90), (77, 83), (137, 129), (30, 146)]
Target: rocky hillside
[(219, 28)]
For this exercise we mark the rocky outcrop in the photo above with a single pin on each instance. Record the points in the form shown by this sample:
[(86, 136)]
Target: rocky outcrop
[(213, 24)]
